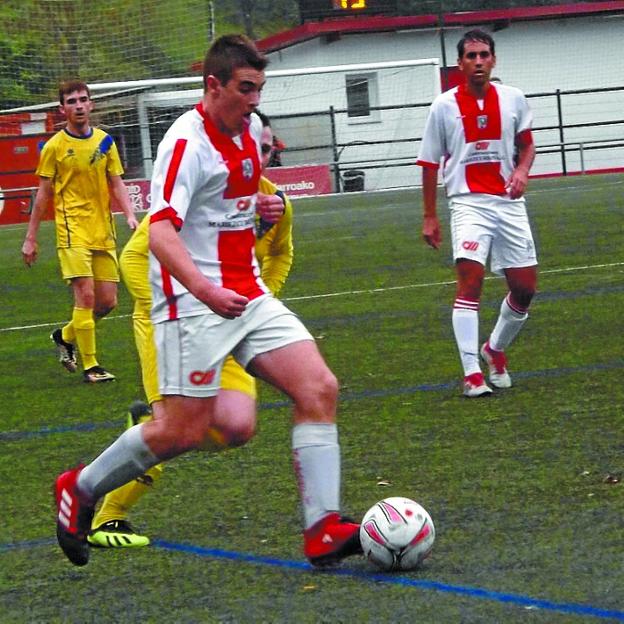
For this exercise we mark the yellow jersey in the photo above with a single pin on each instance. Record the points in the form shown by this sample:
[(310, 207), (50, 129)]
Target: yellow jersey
[(274, 249), (274, 245), (79, 168)]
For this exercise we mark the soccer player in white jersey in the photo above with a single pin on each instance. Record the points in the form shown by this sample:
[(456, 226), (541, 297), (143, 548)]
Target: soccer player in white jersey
[(209, 301), (475, 130)]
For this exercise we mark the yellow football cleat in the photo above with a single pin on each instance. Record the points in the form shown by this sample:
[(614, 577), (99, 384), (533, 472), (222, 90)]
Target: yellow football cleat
[(116, 534)]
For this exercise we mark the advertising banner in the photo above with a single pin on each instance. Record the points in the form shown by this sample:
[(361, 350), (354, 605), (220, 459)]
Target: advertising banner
[(303, 180)]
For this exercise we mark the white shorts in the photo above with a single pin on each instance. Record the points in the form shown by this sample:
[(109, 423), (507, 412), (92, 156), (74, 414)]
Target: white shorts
[(191, 350), (503, 232)]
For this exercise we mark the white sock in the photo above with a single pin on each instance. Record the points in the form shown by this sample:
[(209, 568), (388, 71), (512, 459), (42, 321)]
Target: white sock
[(317, 465), (509, 323), (466, 329), (125, 459)]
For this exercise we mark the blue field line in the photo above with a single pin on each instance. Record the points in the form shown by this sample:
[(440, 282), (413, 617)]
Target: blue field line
[(8, 436), (478, 593), (390, 579), (28, 544)]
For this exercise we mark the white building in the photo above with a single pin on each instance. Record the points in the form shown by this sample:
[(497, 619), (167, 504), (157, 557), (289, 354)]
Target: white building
[(541, 50)]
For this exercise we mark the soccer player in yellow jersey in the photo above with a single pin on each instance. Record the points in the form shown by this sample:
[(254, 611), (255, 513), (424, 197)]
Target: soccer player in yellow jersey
[(79, 168), (236, 421)]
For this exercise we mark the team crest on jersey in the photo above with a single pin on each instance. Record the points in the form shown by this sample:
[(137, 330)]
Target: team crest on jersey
[(247, 168), (482, 121)]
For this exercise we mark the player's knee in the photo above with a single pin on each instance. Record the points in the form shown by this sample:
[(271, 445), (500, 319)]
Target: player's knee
[(469, 291), (85, 301), (469, 280), (240, 435), (320, 396), (327, 387), (522, 286)]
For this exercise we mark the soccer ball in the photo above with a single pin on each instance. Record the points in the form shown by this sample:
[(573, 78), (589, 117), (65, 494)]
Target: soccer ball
[(397, 534)]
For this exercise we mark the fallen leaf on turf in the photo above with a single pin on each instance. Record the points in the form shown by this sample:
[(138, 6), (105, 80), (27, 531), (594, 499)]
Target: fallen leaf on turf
[(384, 483)]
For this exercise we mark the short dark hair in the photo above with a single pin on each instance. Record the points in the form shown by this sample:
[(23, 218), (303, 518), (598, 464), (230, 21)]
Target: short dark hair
[(475, 35), (69, 86), (230, 52)]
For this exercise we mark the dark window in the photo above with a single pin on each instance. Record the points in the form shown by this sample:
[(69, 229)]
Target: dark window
[(358, 98)]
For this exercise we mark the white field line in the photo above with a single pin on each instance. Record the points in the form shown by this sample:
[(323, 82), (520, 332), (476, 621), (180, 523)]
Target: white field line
[(59, 323), (382, 207), (446, 283), (13, 227), (347, 293), (330, 240)]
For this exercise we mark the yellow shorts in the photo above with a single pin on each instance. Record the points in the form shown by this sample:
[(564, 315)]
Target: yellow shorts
[(235, 377), (100, 264)]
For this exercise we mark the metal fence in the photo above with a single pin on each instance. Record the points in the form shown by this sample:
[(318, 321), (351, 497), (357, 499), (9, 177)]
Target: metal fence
[(575, 131)]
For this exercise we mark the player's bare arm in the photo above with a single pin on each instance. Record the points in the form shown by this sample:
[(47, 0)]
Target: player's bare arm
[(431, 225), (167, 246), (270, 207), (517, 183), (42, 200), (120, 193)]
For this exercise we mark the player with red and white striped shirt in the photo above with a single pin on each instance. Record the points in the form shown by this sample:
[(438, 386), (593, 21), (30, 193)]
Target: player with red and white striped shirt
[(475, 129), (209, 301)]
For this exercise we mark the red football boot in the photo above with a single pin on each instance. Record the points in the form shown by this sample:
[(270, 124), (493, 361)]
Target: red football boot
[(331, 539), (73, 520)]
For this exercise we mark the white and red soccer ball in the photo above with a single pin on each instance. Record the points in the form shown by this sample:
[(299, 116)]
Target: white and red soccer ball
[(397, 534)]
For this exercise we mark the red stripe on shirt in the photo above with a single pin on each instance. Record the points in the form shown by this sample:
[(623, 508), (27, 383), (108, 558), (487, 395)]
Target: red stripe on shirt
[(167, 287), (524, 138), (168, 214), (236, 250), (485, 178), (243, 162), (174, 166), (481, 124), (428, 165)]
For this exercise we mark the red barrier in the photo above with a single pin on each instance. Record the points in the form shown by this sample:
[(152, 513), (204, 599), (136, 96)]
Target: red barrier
[(15, 206), (304, 180)]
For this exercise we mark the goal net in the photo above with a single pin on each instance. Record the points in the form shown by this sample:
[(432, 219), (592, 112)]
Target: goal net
[(362, 120), (43, 42)]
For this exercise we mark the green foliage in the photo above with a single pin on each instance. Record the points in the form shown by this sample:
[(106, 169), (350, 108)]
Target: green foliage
[(45, 41), (260, 18)]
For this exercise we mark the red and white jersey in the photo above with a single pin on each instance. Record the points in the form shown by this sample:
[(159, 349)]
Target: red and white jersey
[(476, 140), (205, 182)]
